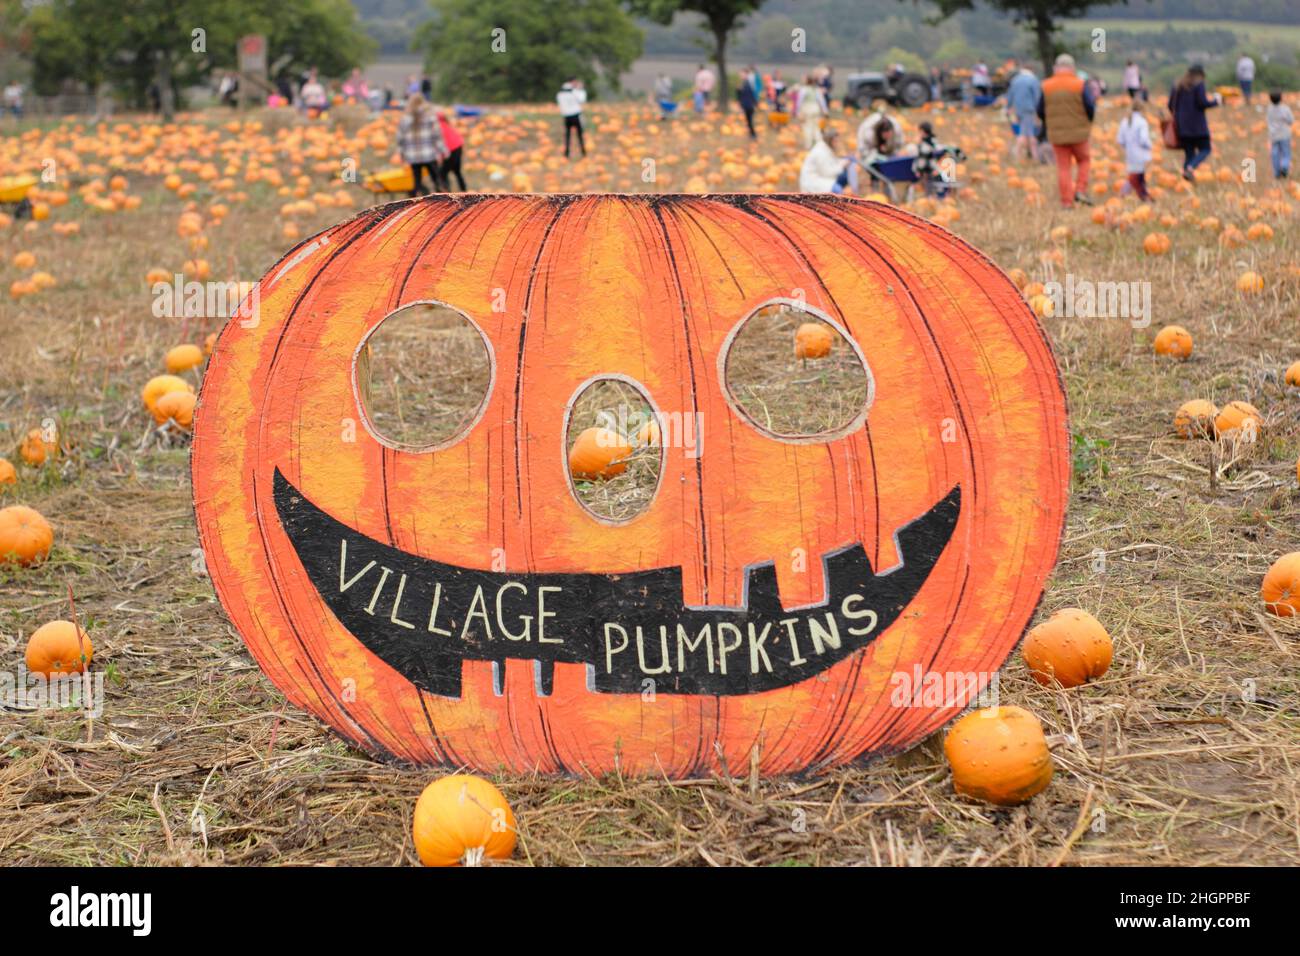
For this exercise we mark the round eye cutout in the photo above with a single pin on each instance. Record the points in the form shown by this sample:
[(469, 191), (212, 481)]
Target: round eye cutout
[(613, 446), (422, 377), (795, 374)]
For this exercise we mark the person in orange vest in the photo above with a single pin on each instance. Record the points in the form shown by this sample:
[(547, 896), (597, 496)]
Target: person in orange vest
[(1066, 106)]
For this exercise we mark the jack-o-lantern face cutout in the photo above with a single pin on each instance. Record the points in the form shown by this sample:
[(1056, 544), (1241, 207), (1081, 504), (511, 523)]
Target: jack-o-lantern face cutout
[(458, 604)]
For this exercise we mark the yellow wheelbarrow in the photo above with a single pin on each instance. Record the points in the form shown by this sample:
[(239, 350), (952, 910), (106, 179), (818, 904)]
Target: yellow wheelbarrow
[(396, 179), (14, 192)]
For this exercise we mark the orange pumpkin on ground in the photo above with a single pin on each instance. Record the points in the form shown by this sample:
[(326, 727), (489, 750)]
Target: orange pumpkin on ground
[(978, 516), (1292, 376), (177, 407), (998, 755), (157, 387), (1156, 243), (1173, 341), (182, 358), (1280, 589), (1070, 648), (8, 474), (1195, 419), (59, 647), (1239, 420), (462, 820), (598, 453), (813, 340), (1250, 283), (35, 450), (25, 535)]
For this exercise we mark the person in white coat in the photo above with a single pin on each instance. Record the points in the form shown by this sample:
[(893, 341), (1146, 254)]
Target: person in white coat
[(811, 110), (1246, 75), (571, 99), (1134, 135), (823, 171)]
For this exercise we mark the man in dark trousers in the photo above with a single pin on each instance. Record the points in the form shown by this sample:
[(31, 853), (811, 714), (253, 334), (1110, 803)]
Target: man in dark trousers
[(748, 100)]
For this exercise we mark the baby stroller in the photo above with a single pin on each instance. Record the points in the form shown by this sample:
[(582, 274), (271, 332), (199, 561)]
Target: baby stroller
[(891, 174)]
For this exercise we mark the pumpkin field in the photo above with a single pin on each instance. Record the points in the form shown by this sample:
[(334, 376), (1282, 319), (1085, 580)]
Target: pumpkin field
[(1163, 668)]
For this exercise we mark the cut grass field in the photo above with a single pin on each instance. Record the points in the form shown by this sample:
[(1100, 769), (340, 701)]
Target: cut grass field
[(1249, 32), (1186, 752)]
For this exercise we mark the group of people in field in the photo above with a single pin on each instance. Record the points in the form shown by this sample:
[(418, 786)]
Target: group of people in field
[(429, 142), (1052, 119), (1064, 107)]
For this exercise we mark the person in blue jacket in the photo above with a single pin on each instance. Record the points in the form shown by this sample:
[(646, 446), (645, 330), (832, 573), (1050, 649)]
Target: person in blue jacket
[(748, 100), (1022, 109), (1188, 102)]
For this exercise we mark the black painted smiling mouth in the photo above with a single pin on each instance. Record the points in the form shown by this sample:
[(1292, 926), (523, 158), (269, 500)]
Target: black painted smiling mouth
[(425, 618)]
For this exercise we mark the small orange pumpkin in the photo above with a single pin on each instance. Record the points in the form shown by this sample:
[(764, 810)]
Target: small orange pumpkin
[(35, 450), (25, 535), (998, 755), (8, 474), (1195, 419), (1044, 306), (196, 269), (1019, 277), (1173, 341), (1070, 648), (1250, 283), (1156, 243), (157, 387), (182, 358), (59, 647), (598, 453), (1238, 420), (1292, 376), (813, 340), (178, 407), (1281, 587), (462, 819)]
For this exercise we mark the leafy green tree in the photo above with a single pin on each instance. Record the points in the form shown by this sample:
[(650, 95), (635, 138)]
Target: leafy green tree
[(722, 16), (171, 44), (499, 51), (1041, 17), (15, 39)]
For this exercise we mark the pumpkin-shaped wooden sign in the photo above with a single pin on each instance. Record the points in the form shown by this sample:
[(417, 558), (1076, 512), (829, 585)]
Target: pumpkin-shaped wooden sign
[(457, 605)]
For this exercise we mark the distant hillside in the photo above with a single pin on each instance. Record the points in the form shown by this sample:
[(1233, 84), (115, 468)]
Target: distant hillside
[(873, 32)]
